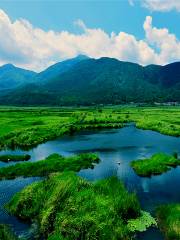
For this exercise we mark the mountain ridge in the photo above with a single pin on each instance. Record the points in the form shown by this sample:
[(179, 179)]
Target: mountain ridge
[(100, 81), (12, 76)]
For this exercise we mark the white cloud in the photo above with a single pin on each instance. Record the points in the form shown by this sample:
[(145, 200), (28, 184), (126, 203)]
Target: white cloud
[(167, 43), (161, 5), (26, 46)]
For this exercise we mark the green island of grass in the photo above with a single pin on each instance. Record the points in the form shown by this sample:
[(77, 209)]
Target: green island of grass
[(169, 220), (6, 233), (65, 206), (14, 158), (157, 164), (53, 163)]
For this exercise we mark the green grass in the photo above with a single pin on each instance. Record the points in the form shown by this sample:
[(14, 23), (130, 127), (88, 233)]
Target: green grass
[(169, 220), (5, 233), (14, 158), (157, 164), (53, 163), (66, 206), (69, 207), (28, 127)]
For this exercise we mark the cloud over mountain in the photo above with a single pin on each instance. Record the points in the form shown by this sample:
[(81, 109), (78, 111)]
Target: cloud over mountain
[(29, 47)]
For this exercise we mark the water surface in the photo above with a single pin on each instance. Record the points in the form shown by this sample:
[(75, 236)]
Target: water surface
[(116, 148)]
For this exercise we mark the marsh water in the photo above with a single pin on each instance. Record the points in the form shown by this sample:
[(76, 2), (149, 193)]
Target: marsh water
[(116, 148)]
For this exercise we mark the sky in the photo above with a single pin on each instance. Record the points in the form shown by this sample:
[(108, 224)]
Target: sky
[(37, 34)]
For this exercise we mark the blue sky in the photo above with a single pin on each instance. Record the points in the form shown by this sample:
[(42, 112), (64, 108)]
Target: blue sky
[(110, 15), (126, 16)]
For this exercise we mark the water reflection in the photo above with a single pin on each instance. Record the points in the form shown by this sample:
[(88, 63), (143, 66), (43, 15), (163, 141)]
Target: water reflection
[(117, 148)]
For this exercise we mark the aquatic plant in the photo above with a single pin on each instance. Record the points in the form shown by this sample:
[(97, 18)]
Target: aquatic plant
[(157, 164), (141, 223)]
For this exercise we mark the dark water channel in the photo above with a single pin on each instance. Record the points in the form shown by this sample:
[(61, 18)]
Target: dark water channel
[(114, 147)]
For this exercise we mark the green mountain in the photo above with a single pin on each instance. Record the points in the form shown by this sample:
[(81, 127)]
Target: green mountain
[(12, 77), (57, 69), (102, 81)]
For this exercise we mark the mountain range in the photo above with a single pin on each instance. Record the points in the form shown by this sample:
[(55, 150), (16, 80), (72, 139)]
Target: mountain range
[(12, 77), (87, 81)]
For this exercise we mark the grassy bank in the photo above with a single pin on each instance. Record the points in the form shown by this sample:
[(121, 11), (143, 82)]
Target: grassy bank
[(28, 127), (5, 233), (157, 164), (169, 220), (68, 207), (53, 163), (14, 158)]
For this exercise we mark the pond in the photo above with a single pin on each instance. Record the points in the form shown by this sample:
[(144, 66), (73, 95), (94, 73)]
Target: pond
[(116, 148)]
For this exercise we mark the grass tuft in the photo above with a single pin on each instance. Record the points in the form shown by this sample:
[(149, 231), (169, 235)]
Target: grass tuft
[(69, 207), (6, 233), (169, 220)]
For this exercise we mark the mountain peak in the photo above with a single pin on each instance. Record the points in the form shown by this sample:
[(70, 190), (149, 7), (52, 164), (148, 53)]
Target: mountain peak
[(12, 76), (95, 81), (81, 57), (7, 66)]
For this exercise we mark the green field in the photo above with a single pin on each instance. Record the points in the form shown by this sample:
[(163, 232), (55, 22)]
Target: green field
[(27, 127)]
